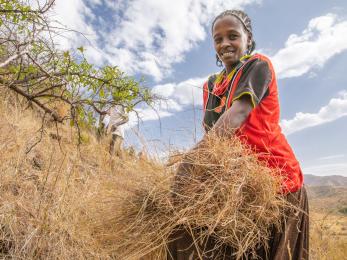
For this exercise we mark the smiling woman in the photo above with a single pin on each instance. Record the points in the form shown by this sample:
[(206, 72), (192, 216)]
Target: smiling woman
[(242, 101), (239, 39)]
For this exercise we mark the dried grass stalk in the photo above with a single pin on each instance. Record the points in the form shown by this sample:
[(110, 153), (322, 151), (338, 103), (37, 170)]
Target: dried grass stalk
[(131, 217)]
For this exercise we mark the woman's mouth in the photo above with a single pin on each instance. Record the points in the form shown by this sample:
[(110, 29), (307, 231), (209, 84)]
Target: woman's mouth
[(227, 54)]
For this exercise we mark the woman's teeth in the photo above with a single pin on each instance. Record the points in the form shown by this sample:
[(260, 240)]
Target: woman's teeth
[(227, 54)]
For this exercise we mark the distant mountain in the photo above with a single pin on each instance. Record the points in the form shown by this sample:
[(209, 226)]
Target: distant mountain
[(327, 198), (333, 180), (326, 193)]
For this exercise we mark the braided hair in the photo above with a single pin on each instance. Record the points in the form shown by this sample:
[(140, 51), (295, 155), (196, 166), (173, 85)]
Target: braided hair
[(247, 25)]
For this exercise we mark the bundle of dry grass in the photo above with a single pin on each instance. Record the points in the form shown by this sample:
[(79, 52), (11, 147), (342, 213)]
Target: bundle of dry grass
[(220, 191), (223, 188)]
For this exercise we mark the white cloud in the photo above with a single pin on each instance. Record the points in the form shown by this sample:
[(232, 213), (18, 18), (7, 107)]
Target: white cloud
[(140, 36), (96, 2), (73, 16), (324, 37), (174, 98), (327, 169), (148, 36), (165, 30), (332, 157), (147, 114), (185, 93), (336, 108)]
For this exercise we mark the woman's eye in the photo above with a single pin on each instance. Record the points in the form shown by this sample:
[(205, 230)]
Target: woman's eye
[(217, 40), (233, 36)]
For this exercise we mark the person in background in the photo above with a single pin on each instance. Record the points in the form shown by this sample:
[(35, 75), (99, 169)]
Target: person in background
[(113, 123)]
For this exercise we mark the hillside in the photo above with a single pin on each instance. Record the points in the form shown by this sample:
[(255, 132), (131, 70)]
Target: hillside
[(333, 180), (327, 193), (59, 201), (327, 198)]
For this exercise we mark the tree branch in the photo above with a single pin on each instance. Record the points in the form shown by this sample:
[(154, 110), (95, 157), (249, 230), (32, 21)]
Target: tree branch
[(29, 97), (13, 57)]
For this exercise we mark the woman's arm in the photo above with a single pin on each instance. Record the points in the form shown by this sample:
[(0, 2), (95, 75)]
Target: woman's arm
[(233, 117)]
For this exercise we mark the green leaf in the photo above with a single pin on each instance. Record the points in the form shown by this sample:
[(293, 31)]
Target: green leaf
[(102, 93)]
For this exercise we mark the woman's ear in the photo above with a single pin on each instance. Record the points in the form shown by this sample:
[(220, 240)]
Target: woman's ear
[(249, 42)]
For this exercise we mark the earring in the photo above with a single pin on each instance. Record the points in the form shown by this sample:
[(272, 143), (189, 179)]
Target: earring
[(219, 63), (251, 47)]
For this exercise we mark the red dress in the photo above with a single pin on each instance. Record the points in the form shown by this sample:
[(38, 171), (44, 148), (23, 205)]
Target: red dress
[(255, 76)]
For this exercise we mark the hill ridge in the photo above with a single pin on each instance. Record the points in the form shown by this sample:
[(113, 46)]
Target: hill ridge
[(332, 180)]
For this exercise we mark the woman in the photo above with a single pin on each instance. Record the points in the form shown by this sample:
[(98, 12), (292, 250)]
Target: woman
[(242, 100)]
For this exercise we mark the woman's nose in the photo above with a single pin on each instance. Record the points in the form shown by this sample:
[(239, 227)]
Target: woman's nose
[(225, 42)]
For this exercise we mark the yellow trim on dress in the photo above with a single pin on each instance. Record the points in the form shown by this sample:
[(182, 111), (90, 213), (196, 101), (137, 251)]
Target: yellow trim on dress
[(245, 93), (245, 57), (220, 76)]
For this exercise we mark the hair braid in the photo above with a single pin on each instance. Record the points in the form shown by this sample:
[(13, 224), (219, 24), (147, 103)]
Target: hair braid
[(246, 22)]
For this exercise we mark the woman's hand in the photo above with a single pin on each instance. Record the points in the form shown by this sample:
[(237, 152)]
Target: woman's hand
[(225, 126)]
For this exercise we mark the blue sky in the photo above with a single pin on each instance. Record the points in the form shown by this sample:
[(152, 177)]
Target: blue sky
[(169, 44)]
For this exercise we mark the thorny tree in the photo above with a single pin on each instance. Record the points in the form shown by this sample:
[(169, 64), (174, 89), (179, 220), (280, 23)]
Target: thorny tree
[(48, 78)]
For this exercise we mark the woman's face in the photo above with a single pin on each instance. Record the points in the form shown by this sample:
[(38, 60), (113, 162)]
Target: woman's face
[(230, 40)]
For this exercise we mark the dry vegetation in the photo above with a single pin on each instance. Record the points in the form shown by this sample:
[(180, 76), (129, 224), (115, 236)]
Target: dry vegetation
[(60, 201), (43, 192), (328, 239)]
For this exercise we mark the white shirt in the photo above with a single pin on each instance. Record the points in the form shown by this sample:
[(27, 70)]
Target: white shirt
[(116, 118)]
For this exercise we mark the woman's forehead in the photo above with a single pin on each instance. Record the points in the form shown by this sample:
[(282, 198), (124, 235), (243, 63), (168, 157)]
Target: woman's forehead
[(227, 22)]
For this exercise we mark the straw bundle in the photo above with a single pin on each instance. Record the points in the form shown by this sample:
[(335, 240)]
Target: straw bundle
[(220, 191), (223, 188)]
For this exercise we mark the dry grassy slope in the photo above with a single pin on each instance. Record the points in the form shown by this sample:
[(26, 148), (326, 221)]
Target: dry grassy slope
[(45, 195), (328, 223), (42, 191), (327, 198), (48, 203), (327, 193)]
